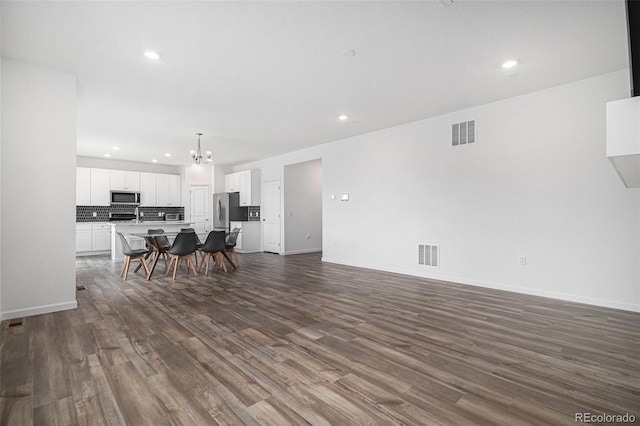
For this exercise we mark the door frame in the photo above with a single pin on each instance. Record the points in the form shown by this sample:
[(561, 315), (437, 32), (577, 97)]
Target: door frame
[(208, 201), (280, 219)]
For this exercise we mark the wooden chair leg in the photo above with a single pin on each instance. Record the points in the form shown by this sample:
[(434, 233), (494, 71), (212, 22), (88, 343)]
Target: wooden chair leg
[(169, 267), (146, 256), (143, 262), (220, 257), (206, 259), (193, 267), (175, 267), (126, 267)]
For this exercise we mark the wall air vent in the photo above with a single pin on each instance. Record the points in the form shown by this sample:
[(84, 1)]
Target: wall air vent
[(428, 255), (463, 133)]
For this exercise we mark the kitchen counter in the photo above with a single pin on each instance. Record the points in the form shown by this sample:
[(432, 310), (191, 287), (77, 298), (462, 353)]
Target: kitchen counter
[(140, 227), (150, 222)]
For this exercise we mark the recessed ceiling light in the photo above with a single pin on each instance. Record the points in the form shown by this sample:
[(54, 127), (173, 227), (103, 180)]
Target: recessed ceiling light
[(342, 117), (510, 63), (115, 148), (349, 53), (167, 155), (154, 161), (150, 54), (107, 155)]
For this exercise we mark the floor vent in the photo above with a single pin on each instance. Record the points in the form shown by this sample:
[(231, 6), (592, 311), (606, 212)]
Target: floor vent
[(15, 323), (80, 287), (428, 255), (463, 133)]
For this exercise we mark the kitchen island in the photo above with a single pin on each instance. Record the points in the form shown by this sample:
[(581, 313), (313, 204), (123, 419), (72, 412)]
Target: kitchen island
[(138, 228)]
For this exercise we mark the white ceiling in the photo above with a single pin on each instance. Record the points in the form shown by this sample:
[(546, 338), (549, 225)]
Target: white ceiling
[(264, 78)]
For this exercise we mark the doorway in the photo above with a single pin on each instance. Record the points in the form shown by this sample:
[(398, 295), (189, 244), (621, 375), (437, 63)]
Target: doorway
[(200, 209), (302, 193), (271, 216)]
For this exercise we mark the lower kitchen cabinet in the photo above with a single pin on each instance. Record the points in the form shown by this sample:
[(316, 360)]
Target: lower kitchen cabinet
[(83, 237), (249, 236), (101, 234), (92, 238)]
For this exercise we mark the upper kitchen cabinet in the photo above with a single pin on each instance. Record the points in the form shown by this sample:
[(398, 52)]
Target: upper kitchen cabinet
[(148, 189), (168, 190), (247, 183), (100, 187), (232, 182), (83, 186), (124, 181)]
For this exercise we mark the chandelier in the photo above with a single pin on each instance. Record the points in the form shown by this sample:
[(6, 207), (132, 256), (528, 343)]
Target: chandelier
[(197, 156)]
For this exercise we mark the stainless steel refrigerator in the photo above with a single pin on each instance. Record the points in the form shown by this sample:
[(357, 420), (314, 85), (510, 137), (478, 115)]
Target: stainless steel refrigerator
[(226, 208)]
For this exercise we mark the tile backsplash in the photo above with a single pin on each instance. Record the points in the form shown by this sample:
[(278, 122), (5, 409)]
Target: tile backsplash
[(85, 213)]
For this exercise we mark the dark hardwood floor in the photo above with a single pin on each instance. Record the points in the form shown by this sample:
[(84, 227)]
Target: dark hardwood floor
[(290, 340)]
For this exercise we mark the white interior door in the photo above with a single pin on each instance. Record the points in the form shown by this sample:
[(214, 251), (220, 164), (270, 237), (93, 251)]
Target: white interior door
[(199, 210), (271, 216)]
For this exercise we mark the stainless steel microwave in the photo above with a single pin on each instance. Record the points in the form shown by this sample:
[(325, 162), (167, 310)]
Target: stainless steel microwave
[(130, 198)]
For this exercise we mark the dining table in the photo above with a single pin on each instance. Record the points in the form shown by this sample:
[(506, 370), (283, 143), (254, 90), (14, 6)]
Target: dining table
[(154, 239)]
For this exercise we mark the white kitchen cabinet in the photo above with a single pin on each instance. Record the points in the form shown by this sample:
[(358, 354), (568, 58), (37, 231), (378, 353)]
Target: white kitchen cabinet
[(249, 188), (93, 237), (100, 187), (162, 189), (249, 237), (83, 237), (168, 190), (121, 180), (101, 237), (247, 183), (175, 194), (232, 182), (83, 186), (148, 188)]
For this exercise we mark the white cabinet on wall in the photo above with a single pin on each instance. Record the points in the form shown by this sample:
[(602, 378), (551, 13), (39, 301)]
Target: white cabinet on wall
[(250, 188), (175, 194), (94, 186), (100, 187), (232, 182), (247, 183), (168, 190), (148, 189), (124, 181), (83, 186)]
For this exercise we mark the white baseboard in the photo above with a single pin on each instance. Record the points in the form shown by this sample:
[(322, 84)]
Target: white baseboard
[(312, 250), (498, 286), (37, 310)]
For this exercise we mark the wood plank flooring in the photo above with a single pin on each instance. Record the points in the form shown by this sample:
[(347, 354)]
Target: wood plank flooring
[(290, 340)]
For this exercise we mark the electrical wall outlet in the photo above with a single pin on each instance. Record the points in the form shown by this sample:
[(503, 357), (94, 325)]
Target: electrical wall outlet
[(159, 214), (95, 214), (523, 260), (141, 214)]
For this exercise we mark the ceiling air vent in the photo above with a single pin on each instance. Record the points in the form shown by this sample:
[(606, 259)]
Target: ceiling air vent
[(428, 255), (463, 133)]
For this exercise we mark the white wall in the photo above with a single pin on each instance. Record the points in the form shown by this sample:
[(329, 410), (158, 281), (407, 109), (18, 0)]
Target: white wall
[(38, 197), (536, 184), (302, 192), (0, 170)]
